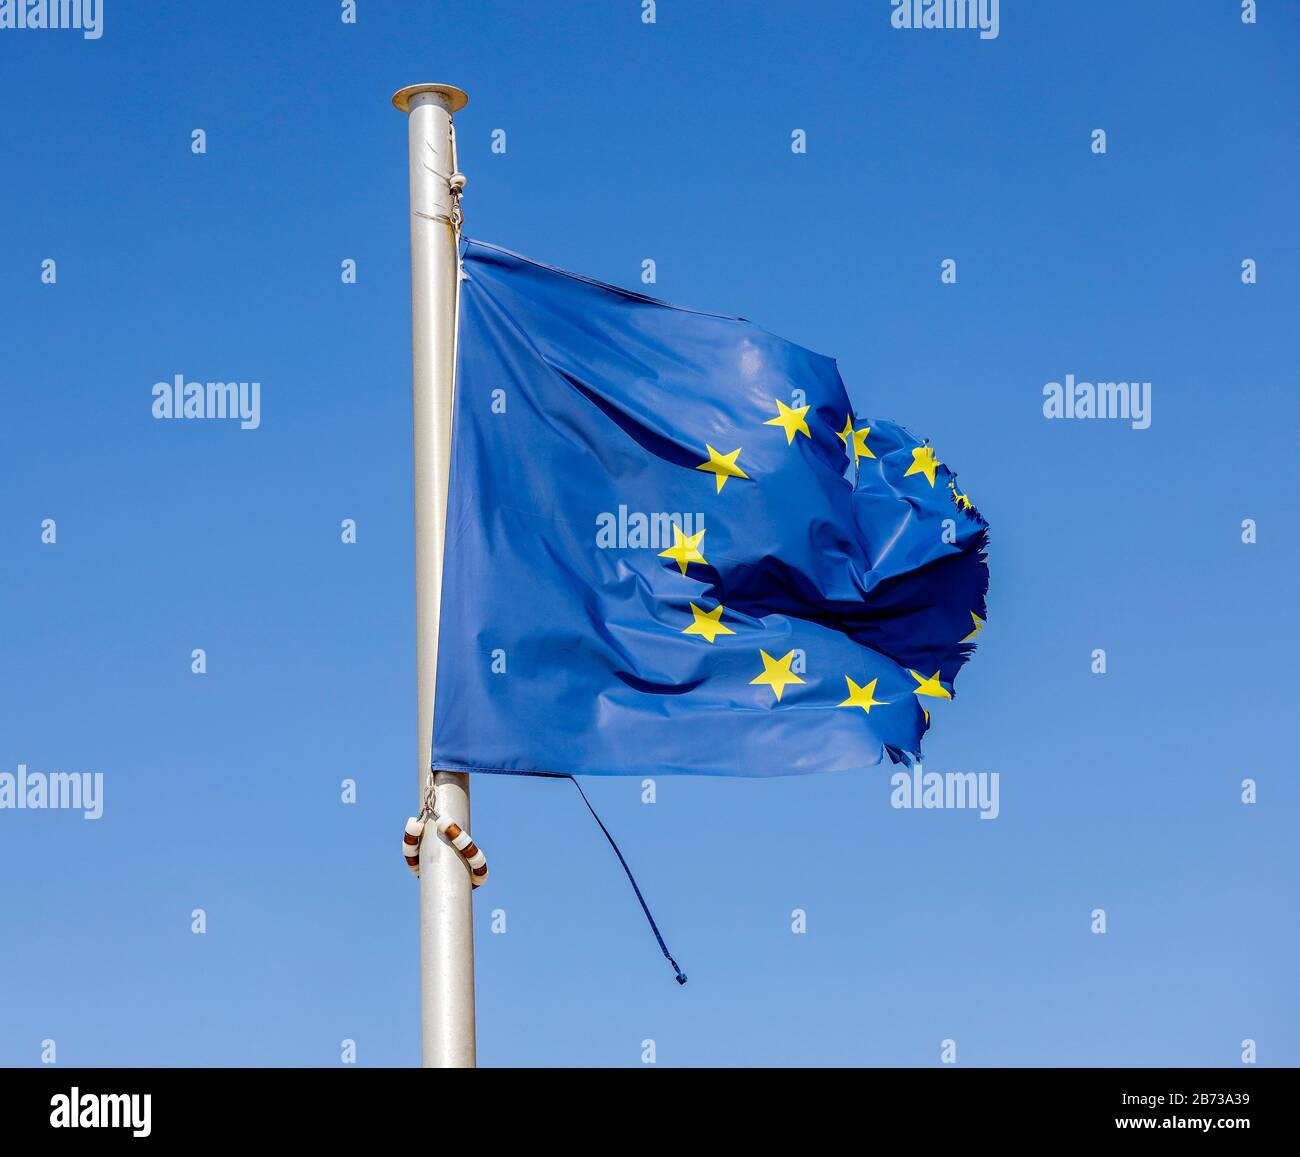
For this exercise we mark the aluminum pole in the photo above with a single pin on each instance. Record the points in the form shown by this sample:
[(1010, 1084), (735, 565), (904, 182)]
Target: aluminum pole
[(446, 914)]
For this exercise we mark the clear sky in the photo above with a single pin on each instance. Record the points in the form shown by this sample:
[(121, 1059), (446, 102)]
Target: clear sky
[(625, 141)]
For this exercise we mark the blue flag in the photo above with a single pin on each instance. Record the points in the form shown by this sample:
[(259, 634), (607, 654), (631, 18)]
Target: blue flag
[(673, 547)]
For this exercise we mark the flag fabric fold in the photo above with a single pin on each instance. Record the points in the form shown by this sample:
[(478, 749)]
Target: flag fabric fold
[(673, 547)]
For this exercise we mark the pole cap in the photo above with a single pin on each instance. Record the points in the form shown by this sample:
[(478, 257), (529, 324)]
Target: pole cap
[(456, 98)]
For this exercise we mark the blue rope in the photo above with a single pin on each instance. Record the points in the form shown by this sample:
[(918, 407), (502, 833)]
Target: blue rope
[(681, 976)]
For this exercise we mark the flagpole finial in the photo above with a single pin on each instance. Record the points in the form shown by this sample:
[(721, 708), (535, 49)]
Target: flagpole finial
[(453, 98)]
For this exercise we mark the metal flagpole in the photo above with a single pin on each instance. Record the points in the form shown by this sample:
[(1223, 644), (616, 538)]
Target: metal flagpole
[(446, 916)]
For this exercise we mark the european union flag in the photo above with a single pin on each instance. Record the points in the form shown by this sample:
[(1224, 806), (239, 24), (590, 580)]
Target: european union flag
[(673, 547)]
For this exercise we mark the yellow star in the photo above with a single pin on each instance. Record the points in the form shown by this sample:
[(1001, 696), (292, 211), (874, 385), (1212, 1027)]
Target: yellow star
[(860, 448), (864, 697), (979, 626), (790, 420), (845, 434), (708, 623), (923, 462), (776, 673), (685, 548), (930, 686), (962, 500), (722, 466)]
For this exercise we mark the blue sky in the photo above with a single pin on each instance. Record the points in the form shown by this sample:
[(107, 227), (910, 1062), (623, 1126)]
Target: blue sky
[(670, 141)]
